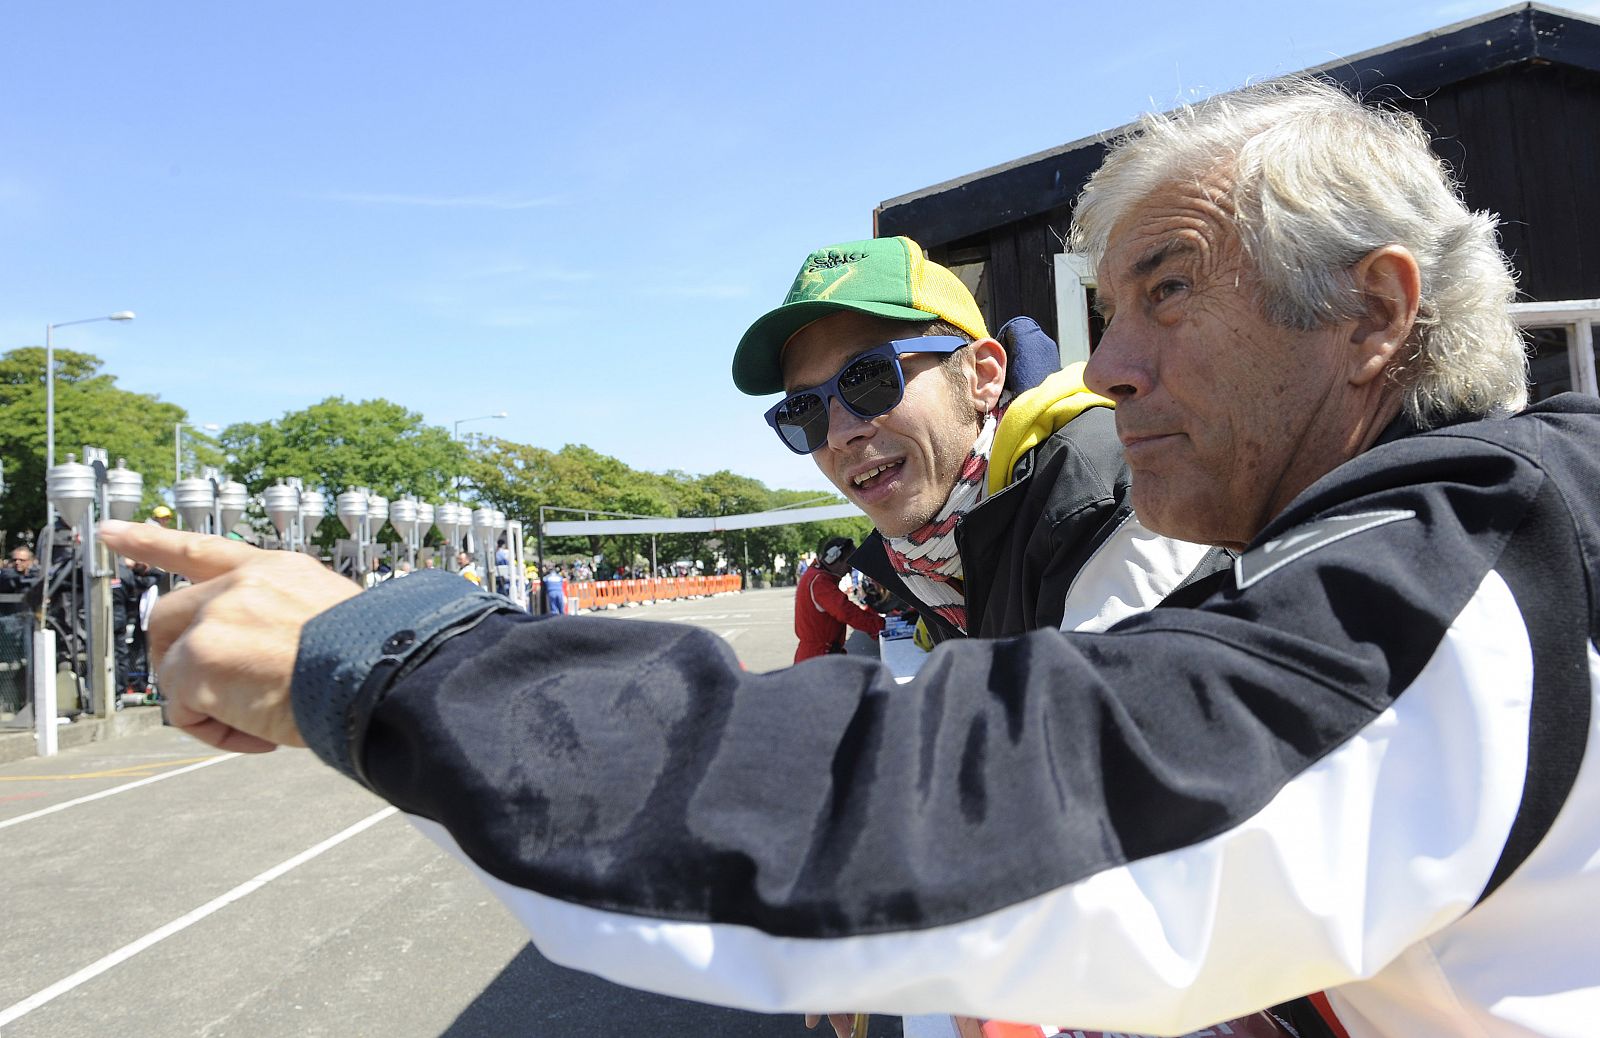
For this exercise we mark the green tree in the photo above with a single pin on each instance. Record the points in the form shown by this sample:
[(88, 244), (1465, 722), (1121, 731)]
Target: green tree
[(337, 444), (90, 409), (517, 478)]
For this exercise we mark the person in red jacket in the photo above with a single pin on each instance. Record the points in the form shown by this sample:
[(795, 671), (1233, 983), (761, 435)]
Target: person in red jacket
[(821, 610)]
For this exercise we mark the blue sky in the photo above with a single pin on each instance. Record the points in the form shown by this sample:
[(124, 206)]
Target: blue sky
[(567, 212)]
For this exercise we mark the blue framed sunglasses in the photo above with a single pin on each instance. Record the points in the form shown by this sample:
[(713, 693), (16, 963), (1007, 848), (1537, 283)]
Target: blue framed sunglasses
[(871, 384)]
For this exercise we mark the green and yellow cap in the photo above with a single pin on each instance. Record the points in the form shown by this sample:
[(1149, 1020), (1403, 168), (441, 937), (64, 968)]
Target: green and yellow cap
[(885, 277)]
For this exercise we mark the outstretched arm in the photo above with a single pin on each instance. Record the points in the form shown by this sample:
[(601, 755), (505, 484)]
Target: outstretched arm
[(1197, 813)]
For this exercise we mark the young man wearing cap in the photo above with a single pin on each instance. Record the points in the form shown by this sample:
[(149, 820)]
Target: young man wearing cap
[(998, 491), (821, 609), (999, 494)]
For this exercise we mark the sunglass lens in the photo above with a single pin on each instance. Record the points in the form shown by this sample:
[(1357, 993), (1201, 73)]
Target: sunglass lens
[(803, 422), (870, 386)]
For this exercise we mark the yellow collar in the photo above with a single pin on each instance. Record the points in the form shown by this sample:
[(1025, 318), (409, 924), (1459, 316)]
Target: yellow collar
[(1034, 416)]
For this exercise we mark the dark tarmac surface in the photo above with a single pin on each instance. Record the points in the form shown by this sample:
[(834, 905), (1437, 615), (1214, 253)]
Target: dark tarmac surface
[(193, 904)]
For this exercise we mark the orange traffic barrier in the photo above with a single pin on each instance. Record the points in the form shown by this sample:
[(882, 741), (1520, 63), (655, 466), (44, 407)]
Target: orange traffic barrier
[(607, 594)]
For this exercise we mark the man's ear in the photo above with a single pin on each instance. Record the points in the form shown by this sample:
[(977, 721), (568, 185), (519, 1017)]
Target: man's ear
[(989, 373), (1390, 285)]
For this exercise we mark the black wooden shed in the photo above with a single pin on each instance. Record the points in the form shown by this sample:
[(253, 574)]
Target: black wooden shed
[(1512, 99)]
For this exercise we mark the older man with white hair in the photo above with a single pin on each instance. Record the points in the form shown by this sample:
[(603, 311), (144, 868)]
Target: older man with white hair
[(1364, 761)]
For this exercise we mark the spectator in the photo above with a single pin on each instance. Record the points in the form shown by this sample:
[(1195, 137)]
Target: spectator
[(134, 581), (377, 572), (467, 567), (502, 568), (21, 573), (555, 594), (822, 610)]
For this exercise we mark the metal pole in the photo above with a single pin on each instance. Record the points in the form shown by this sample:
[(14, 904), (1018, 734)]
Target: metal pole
[(49, 506), (177, 472), (102, 646), (91, 629), (47, 545), (539, 539), (49, 401), (50, 440), (486, 566), (1586, 380)]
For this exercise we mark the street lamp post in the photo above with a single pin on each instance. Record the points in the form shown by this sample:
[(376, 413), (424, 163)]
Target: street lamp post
[(50, 378), (50, 420), (456, 435), (44, 643)]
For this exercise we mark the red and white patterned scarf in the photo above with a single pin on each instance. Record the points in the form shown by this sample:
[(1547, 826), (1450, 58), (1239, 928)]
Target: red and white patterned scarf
[(926, 558)]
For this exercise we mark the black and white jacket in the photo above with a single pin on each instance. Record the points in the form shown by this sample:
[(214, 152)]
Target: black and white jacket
[(1366, 760)]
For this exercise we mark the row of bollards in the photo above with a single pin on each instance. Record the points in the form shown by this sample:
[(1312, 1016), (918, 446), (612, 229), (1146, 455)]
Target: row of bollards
[(84, 492)]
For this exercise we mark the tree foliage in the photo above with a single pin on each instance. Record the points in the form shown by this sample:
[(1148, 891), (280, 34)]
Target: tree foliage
[(90, 409), (338, 444)]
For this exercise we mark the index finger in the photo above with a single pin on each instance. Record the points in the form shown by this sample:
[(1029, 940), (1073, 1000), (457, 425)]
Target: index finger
[(197, 556)]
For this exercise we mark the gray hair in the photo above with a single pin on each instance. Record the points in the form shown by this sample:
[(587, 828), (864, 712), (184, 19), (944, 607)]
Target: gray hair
[(1318, 181)]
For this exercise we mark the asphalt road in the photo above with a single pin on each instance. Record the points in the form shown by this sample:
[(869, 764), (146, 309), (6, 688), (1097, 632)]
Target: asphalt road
[(266, 896)]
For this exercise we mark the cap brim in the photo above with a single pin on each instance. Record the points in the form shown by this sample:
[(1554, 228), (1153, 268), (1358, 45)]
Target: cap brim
[(757, 370)]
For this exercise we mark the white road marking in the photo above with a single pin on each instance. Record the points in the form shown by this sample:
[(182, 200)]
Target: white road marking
[(679, 618), (114, 790), (731, 634), (128, 951)]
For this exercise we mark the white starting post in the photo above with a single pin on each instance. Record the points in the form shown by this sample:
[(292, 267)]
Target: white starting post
[(483, 530), (351, 508), (403, 517), (425, 513), (313, 507), (282, 503), (519, 564), (452, 520), (44, 690), (377, 515)]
